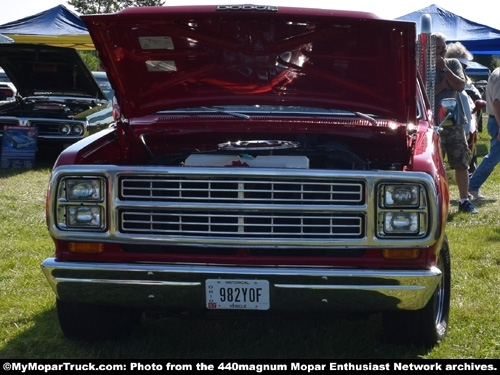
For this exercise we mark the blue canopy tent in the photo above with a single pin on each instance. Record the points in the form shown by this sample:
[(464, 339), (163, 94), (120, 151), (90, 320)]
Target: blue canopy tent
[(478, 39), (476, 69), (56, 26)]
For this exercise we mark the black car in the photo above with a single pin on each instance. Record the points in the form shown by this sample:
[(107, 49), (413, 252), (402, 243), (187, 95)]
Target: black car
[(7, 88), (100, 117), (55, 90)]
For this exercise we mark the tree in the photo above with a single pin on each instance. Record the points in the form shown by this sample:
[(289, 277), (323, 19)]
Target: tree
[(486, 60), (109, 6), (90, 58)]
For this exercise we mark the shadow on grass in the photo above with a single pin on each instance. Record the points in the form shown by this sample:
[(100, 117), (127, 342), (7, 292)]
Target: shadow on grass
[(482, 149), (479, 204), (198, 338)]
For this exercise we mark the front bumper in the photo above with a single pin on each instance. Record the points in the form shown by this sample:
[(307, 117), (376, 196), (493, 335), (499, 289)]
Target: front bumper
[(182, 286)]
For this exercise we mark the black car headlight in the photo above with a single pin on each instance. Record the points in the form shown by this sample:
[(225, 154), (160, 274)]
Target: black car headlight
[(77, 129)]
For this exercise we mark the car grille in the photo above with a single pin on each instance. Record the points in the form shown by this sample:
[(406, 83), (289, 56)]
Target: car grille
[(268, 207), (46, 127), (51, 127), (8, 122)]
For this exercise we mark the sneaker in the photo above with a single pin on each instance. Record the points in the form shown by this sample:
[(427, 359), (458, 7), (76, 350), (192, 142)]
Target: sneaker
[(475, 195), (467, 207)]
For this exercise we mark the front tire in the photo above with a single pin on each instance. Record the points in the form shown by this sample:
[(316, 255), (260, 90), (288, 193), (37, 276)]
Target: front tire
[(429, 325), (92, 322)]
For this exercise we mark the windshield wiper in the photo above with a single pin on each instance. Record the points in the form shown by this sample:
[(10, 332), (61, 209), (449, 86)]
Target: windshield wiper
[(367, 117), (230, 113)]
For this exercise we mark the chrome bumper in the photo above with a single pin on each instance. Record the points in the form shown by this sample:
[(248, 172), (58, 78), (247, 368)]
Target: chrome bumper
[(182, 286)]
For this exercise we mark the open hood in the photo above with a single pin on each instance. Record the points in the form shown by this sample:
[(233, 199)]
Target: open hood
[(174, 57), (37, 69)]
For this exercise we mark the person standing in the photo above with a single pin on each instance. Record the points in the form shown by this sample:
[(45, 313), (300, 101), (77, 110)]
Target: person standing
[(458, 51), (450, 81), (490, 161)]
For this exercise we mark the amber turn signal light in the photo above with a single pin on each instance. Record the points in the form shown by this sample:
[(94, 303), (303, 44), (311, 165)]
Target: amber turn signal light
[(401, 254), (86, 247)]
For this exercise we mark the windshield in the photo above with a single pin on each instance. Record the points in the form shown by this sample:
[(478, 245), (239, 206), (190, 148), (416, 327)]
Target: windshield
[(3, 77), (103, 82)]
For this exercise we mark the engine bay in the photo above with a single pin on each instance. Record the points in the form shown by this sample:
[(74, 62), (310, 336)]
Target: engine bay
[(47, 108), (306, 153)]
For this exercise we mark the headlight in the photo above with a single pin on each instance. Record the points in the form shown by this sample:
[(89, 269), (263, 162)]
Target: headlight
[(81, 203), (83, 216), (77, 129), (401, 222), (402, 210), (83, 189), (401, 196), (65, 129)]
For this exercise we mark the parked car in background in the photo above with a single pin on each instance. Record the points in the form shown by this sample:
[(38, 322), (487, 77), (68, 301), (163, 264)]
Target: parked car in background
[(267, 160), (54, 87), (100, 117), (103, 82), (477, 106), (7, 89), (480, 85)]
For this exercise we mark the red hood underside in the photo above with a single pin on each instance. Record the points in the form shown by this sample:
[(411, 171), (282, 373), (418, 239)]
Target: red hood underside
[(174, 57)]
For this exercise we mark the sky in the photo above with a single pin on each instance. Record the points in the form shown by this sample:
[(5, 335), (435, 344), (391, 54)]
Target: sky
[(479, 11)]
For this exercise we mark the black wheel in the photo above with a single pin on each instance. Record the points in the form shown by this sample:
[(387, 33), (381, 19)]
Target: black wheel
[(92, 322), (429, 325)]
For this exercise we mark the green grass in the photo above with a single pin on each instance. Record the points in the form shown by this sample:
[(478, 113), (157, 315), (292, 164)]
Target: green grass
[(29, 326)]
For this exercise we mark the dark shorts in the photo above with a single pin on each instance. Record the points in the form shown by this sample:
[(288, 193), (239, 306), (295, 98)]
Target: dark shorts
[(454, 147)]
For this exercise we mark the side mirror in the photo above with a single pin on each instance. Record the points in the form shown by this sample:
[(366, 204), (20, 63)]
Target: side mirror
[(446, 113), (115, 109)]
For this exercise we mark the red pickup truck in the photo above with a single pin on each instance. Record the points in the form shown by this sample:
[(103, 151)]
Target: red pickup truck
[(265, 159)]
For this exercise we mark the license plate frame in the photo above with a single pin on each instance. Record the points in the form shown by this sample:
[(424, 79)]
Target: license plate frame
[(237, 294)]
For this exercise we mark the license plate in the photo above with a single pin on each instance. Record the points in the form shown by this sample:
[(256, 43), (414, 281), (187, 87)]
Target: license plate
[(237, 294)]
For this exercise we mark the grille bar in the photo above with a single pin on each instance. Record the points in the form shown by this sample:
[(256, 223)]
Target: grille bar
[(270, 191), (241, 225)]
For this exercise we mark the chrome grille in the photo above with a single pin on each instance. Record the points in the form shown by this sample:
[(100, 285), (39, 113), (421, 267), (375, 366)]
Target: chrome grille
[(253, 207), (243, 191), (246, 224), (52, 127), (46, 127)]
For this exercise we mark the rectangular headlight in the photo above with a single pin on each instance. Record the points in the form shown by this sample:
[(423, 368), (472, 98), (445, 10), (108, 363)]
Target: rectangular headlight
[(81, 203), (83, 216), (402, 210), (401, 223), (83, 189), (403, 195)]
